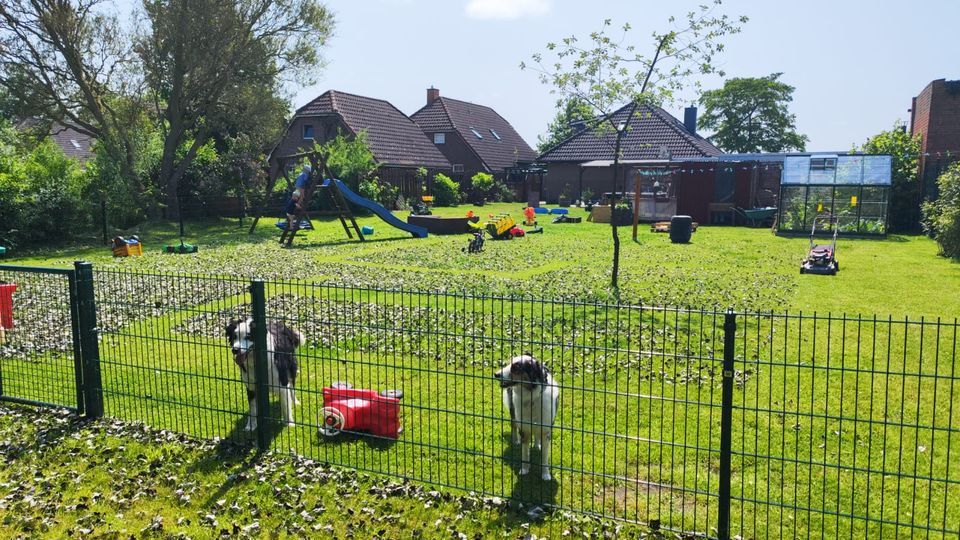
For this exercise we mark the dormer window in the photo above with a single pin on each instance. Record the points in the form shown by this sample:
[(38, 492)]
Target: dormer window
[(477, 133), (439, 138)]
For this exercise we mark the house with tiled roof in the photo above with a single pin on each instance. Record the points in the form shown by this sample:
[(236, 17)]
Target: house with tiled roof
[(76, 142), (474, 138), (584, 161), (397, 143)]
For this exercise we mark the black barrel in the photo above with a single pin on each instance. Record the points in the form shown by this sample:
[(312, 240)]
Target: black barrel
[(681, 228)]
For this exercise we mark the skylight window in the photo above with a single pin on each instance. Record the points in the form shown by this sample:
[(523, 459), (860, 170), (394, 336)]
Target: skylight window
[(477, 133), (75, 143), (496, 135)]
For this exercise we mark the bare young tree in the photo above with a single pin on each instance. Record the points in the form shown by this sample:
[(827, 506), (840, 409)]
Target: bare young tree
[(607, 72)]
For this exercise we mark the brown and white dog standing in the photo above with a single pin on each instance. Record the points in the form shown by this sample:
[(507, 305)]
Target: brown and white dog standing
[(282, 343), (531, 395)]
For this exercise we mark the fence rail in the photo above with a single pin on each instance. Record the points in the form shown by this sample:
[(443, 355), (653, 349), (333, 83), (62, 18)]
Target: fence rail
[(719, 423)]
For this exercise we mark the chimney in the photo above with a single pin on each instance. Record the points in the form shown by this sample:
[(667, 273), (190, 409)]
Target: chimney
[(690, 119), (433, 94)]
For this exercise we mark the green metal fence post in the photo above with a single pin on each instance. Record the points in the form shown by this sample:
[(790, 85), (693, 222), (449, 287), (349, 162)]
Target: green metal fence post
[(726, 424), (259, 300), (89, 347), (77, 347)]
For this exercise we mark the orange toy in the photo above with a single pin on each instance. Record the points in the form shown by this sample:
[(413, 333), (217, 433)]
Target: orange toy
[(529, 213)]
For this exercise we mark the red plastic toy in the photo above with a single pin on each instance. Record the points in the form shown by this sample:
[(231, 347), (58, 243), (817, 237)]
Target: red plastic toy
[(6, 304), (351, 410)]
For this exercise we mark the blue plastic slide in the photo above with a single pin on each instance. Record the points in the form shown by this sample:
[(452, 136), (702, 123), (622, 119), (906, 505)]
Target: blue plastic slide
[(381, 212)]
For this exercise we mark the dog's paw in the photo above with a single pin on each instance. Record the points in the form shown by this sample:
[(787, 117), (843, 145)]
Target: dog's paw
[(291, 423), (250, 427), (546, 476), (524, 470)]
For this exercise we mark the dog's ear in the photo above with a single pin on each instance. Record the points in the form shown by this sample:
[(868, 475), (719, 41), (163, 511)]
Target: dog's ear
[(232, 329), (528, 353)]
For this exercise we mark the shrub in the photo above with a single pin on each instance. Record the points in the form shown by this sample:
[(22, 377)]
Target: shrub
[(389, 196), (370, 189), (905, 188), (482, 185), (43, 194), (350, 159), (941, 218), (446, 192), (502, 193)]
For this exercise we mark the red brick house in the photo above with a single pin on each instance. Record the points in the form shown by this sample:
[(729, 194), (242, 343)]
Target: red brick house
[(474, 138), (935, 115), (584, 161), (397, 144)]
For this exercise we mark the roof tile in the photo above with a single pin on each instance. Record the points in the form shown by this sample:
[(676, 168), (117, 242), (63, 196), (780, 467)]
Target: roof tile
[(446, 115), (392, 136), (650, 129)]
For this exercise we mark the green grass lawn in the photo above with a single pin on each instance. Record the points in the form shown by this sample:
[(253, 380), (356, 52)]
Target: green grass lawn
[(743, 268), (827, 410), (67, 479)]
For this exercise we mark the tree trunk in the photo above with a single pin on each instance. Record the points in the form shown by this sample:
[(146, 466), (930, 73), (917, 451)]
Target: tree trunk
[(173, 180), (615, 274), (167, 168)]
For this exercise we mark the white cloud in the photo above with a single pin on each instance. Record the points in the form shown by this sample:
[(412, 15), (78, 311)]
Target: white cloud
[(506, 9)]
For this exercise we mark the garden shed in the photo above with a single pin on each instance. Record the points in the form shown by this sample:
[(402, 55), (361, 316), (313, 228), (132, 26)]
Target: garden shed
[(853, 188)]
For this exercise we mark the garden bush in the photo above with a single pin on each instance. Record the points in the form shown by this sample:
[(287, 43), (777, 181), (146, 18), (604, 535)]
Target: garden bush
[(446, 192), (941, 218), (904, 212), (42, 193), (484, 186), (481, 185)]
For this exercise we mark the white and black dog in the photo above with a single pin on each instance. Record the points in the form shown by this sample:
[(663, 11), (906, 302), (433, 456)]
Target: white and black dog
[(282, 343), (531, 395)]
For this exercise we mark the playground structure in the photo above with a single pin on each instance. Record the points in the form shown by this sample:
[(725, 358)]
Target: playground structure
[(337, 194)]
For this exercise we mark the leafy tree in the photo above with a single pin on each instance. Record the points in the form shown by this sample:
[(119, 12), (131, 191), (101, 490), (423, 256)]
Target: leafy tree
[(607, 71), (568, 111), (206, 60), (349, 158), (40, 189), (482, 184), (68, 60), (941, 218), (749, 114), (446, 191), (904, 205)]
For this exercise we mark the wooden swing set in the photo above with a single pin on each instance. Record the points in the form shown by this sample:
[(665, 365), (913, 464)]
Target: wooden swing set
[(318, 173)]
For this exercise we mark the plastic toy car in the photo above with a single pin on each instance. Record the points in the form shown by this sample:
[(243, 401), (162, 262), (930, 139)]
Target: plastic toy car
[(355, 410)]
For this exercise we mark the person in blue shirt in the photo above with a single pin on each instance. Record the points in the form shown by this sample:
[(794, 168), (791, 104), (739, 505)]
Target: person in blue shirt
[(302, 183)]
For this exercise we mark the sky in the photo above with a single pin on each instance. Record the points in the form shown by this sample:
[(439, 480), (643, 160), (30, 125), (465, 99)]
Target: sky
[(855, 64)]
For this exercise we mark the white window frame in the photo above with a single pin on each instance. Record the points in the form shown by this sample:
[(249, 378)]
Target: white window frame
[(458, 167), (439, 138)]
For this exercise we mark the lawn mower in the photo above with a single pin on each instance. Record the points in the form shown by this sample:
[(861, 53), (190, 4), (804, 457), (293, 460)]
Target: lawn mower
[(346, 409), (822, 258)]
